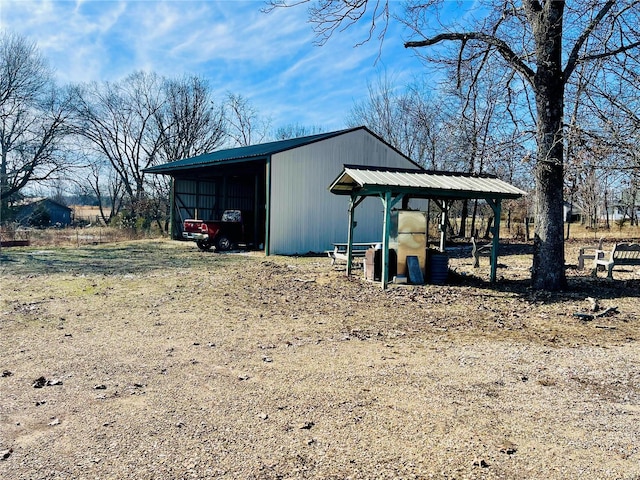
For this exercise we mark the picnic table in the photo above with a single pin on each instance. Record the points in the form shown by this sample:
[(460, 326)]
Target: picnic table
[(358, 250)]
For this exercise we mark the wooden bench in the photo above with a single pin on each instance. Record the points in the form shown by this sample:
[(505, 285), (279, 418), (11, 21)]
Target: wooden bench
[(589, 254), (479, 250), (358, 250), (622, 254)]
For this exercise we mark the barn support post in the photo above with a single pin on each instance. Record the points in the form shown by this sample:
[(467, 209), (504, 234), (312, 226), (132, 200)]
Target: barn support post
[(172, 206), (267, 213), (496, 206), (256, 209)]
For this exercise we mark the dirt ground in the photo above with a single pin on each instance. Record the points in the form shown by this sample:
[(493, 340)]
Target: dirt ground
[(152, 360)]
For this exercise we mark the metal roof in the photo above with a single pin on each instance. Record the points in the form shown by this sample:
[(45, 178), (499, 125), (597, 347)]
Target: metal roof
[(248, 153), (363, 181)]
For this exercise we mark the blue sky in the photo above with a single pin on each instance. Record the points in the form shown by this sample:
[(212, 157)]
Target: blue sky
[(271, 59)]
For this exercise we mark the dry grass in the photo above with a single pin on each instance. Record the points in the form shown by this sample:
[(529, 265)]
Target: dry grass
[(75, 237), (181, 364)]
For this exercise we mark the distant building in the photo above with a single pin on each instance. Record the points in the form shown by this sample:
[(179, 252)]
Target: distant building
[(571, 213), (42, 212), (619, 211)]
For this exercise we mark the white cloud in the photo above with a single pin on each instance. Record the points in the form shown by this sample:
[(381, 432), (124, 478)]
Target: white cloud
[(268, 58)]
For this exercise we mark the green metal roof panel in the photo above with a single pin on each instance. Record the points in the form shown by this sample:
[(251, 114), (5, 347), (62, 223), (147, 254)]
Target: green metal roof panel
[(361, 180), (251, 152)]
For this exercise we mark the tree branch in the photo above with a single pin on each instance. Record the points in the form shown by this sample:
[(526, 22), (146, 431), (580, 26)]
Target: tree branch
[(573, 56), (503, 48), (611, 53)]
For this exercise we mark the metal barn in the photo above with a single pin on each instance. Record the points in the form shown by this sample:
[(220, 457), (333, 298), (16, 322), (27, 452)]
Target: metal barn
[(283, 187)]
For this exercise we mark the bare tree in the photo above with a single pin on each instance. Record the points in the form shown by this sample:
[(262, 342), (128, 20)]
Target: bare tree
[(406, 118), (190, 122), (543, 42), (473, 121), (244, 124), (296, 130), (138, 122), (602, 133), (119, 122), (108, 188), (616, 103), (33, 112)]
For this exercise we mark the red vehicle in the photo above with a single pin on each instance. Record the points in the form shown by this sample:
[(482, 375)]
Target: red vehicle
[(224, 234)]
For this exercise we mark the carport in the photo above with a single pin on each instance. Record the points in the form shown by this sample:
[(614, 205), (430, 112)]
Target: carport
[(393, 186)]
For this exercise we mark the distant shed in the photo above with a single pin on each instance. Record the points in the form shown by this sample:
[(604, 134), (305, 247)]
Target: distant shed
[(283, 185), (43, 212)]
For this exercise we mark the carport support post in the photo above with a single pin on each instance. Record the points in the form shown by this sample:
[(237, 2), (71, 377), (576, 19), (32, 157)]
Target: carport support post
[(496, 206), (388, 205), (352, 206), (354, 201)]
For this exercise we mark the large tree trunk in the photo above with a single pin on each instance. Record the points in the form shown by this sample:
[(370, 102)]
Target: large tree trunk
[(548, 244)]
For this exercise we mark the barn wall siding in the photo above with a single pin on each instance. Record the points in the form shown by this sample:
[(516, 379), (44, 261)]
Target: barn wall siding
[(195, 196), (305, 216)]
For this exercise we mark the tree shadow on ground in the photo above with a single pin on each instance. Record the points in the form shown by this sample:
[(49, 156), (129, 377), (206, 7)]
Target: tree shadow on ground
[(577, 287), (112, 259)]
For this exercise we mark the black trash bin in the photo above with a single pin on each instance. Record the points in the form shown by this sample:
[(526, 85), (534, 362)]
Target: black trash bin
[(438, 267)]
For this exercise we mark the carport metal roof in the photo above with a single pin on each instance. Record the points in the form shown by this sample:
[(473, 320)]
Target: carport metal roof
[(392, 185), (366, 181)]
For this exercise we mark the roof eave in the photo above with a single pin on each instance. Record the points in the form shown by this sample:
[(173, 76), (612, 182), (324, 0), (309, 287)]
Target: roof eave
[(167, 168), (370, 190)]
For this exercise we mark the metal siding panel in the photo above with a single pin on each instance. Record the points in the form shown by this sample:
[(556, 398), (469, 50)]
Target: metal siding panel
[(191, 195), (305, 216), (185, 186)]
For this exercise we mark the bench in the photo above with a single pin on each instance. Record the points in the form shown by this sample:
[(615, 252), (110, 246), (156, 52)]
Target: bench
[(479, 250), (622, 254), (588, 253), (358, 250)]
